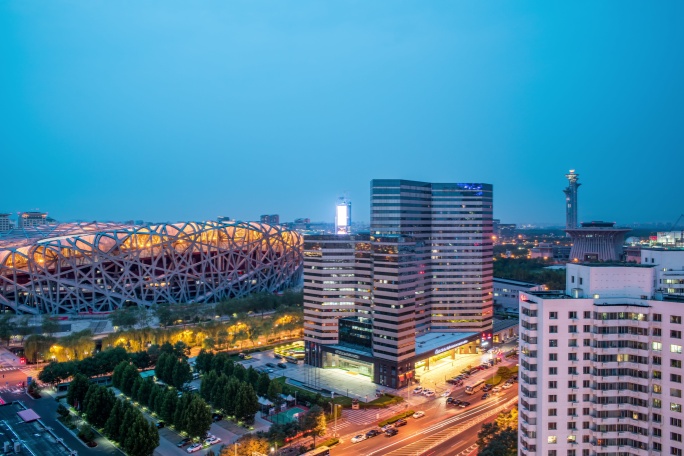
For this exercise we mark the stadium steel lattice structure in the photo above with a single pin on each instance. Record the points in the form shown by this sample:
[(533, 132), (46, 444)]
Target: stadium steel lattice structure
[(99, 267)]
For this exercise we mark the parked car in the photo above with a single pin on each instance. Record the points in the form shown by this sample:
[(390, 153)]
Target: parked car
[(271, 364), (417, 390), (487, 387), (429, 393), (270, 371), (419, 414), (372, 433), (160, 424), (496, 389), (391, 432), (485, 396), (486, 366), (449, 400), (507, 385), (216, 417), (464, 404), (474, 371), (184, 442), (282, 365), (457, 402), (359, 438), (194, 447), (387, 427), (213, 440), (400, 423)]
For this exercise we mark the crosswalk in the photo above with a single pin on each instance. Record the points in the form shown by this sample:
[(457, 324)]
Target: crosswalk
[(8, 369), (370, 416)]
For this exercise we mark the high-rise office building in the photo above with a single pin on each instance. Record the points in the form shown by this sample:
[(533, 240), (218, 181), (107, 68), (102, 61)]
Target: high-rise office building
[(5, 223), (571, 200), (601, 364), (452, 226), (32, 218), (343, 217), (369, 304)]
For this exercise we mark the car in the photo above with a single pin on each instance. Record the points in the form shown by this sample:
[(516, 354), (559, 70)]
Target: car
[(464, 370), (282, 365), (507, 385), (487, 387), (474, 371), (464, 404), (387, 427), (391, 432), (452, 381), (359, 438), (160, 424), (417, 390), (419, 414), (195, 376), (270, 371), (486, 366), (446, 393), (241, 355), (184, 442), (271, 364), (485, 396), (400, 423), (213, 440), (372, 433), (449, 400), (457, 402), (194, 447), (496, 389), (428, 393), (216, 417)]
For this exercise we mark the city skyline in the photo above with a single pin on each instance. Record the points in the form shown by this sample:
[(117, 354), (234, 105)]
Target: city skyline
[(267, 104)]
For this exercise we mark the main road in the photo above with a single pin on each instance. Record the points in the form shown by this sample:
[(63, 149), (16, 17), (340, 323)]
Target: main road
[(446, 429)]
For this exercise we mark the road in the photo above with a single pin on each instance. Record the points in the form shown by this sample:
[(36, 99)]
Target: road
[(446, 428)]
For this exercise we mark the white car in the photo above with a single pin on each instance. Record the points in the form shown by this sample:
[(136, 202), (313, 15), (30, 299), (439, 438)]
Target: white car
[(429, 393), (194, 447), (212, 440), (417, 390), (358, 438), (496, 389), (446, 393), (387, 427), (419, 415), (507, 385), (426, 391)]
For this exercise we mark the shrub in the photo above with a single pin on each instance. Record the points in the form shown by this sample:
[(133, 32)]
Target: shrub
[(394, 418), (62, 411), (329, 442)]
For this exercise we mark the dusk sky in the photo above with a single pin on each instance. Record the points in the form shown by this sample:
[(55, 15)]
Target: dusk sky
[(168, 111)]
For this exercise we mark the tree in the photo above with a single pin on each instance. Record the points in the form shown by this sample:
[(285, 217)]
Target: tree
[(124, 318), (180, 349), (247, 445), (116, 416), (144, 391), (231, 391), (128, 379), (207, 385), (181, 374), (98, 404), (252, 376), (49, 326), (197, 417), (62, 411), (168, 409), (314, 422), (164, 368), (504, 372), (141, 359), (504, 443), (508, 420), (117, 375), (86, 433), (142, 438), (203, 361), (274, 391), (37, 345), (163, 313), (240, 372), (246, 403), (263, 384), (78, 389), (6, 328)]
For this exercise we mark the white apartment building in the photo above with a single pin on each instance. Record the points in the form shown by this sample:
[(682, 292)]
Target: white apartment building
[(669, 262), (507, 293), (601, 365)]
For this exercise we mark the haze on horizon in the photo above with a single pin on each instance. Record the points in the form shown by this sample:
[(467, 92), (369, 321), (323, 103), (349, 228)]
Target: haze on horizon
[(187, 111)]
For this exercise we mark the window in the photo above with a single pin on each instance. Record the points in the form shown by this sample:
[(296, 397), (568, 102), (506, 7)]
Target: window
[(586, 384), (675, 348), (657, 374), (657, 432), (586, 411), (553, 398), (571, 453), (657, 317), (572, 356), (572, 328), (572, 425), (586, 356), (587, 328), (587, 314), (657, 360), (552, 427), (657, 332), (553, 342), (572, 342), (553, 370), (553, 315), (586, 343), (657, 403), (572, 383), (581, 280), (675, 334), (553, 412), (572, 439), (553, 356), (572, 315), (572, 279), (656, 346), (674, 407), (657, 446), (676, 319), (657, 389), (572, 412), (657, 418), (552, 439), (675, 392), (585, 425), (572, 371), (675, 451), (676, 422), (676, 378), (552, 453), (553, 329), (675, 363), (675, 436), (586, 369), (572, 397)]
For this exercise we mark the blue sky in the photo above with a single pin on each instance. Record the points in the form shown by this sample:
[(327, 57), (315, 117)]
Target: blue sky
[(171, 110)]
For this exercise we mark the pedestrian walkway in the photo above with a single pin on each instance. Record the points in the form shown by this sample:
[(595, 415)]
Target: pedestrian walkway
[(7, 369), (371, 416)]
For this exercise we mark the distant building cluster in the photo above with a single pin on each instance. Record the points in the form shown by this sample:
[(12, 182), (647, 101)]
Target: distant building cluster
[(27, 219), (99, 267)]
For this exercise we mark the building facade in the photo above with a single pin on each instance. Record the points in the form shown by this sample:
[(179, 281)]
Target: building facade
[(570, 191), (272, 219), (343, 217), (452, 226), (669, 270), (5, 223), (507, 293), (601, 365), (31, 219), (100, 267), (597, 241)]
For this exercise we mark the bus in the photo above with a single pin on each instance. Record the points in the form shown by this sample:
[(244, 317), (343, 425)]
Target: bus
[(320, 451), (475, 387)]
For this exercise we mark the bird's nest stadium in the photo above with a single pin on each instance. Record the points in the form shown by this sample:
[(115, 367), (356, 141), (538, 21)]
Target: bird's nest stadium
[(95, 267)]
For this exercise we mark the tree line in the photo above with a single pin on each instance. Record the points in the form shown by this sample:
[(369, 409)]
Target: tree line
[(118, 419), (499, 438), (187, 412), (530, 271)]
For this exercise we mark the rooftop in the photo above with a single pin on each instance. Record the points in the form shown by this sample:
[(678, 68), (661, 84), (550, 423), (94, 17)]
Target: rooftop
[(500, 325), (434, 340), (34, 436), (550, 294), (516, 282), (616, 264)]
